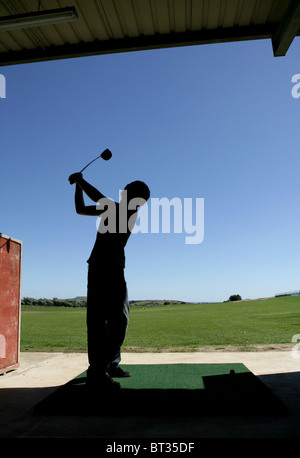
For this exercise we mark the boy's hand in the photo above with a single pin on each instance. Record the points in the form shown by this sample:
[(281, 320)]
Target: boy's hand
[(75, 177)]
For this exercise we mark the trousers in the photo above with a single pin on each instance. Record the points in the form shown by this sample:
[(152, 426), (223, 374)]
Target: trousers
[(107, 317)]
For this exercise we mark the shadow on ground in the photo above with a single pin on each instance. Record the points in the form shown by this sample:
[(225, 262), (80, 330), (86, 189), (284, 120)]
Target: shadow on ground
[(18, 419)]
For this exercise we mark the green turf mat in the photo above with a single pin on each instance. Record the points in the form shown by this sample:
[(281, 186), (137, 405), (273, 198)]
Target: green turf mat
[(170, 389)]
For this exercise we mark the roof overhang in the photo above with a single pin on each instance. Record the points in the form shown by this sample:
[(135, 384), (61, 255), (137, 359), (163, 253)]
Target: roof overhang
[(113, 26)]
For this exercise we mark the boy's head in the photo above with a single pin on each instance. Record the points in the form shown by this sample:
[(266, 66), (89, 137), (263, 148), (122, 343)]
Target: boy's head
[(137, 190)]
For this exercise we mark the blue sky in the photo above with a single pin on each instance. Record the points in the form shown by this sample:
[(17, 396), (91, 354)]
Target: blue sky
[(216, 122)]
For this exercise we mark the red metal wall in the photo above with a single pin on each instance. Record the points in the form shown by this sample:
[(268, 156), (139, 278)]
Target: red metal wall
[(10, 295)]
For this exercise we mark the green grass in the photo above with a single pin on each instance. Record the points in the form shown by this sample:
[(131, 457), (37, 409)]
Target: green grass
[(182, 326), (53, 328)]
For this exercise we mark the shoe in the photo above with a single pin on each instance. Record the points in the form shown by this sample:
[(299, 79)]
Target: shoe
[(117, 371), (104, 382)]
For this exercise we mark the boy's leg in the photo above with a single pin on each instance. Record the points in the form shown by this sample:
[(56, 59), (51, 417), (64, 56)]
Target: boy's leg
[(117, 322), (97, 330)]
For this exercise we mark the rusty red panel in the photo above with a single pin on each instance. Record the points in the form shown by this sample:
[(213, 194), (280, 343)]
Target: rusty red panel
[(10, 295)]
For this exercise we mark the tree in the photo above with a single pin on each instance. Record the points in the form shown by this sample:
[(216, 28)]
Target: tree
[(235, 297)]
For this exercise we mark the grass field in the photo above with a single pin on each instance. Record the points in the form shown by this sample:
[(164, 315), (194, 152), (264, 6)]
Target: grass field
[(175, 327)]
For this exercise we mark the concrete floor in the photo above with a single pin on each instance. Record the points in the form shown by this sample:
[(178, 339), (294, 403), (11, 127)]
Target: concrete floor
[(40, 373)]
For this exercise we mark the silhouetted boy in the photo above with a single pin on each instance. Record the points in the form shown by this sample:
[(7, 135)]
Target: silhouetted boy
[(107, 299)]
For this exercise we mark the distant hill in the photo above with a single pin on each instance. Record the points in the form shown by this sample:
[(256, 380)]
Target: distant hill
[(148, 303), (80, 301)]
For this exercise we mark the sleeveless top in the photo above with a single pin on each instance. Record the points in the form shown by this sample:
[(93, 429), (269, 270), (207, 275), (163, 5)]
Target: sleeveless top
[(109, 247)]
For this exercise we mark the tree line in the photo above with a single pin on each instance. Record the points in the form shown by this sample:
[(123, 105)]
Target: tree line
[(55, 302), (81, 302)]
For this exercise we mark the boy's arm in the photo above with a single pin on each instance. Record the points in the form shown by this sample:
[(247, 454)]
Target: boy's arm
[(81, 208), (91, 192)]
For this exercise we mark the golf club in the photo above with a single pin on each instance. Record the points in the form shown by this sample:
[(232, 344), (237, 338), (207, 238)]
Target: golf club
[(106, 155)]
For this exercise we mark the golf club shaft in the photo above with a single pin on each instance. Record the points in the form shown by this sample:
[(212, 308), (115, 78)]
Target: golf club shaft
[(90, 163)]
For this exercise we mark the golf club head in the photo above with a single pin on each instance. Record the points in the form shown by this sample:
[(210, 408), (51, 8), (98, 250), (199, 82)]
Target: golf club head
[(106, 155)]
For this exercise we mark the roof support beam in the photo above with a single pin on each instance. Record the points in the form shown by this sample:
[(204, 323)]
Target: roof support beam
[(287, 30), (157, 41)]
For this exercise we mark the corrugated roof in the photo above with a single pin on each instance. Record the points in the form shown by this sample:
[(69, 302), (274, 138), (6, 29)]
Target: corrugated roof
[(107, 26)]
